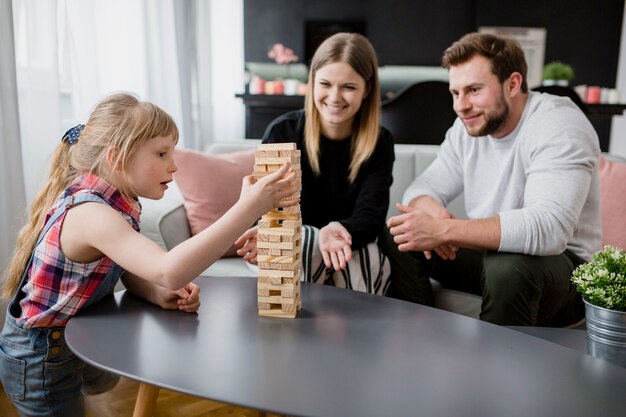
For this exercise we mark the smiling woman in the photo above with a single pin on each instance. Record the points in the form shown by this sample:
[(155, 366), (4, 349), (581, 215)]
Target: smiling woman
[(347, 159)]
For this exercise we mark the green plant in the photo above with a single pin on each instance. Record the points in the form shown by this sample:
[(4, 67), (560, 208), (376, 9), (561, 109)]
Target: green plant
[(557, 70), (602, 281)]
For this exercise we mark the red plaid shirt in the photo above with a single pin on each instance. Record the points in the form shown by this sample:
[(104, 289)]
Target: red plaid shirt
[(57, 287)]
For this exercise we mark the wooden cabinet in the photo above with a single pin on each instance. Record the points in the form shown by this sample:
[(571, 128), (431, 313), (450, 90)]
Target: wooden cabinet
[(261, 109)]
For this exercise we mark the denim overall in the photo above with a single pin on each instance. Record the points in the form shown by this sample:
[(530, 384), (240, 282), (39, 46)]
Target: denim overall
[(40, 374)]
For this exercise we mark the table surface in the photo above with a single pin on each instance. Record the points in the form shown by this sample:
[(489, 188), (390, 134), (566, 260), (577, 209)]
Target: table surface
[(347, 354)]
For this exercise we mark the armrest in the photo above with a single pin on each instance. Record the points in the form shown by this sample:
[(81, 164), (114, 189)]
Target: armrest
[(165, 221)]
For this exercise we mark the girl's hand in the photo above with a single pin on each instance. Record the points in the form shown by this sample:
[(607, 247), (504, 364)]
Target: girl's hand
[(185, 299), (336, 245), (247, 245), (269, 192)]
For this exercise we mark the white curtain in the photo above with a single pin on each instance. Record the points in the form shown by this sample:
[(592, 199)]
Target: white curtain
[(13, 201), (72, 53)]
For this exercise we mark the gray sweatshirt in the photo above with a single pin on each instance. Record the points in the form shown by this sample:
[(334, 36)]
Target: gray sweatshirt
[(542, 179)]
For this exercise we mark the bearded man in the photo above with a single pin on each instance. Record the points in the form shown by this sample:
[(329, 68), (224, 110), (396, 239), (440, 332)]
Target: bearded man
[(527, 165)]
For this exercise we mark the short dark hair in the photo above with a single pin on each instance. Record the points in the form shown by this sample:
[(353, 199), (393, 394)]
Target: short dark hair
[(505, 54)]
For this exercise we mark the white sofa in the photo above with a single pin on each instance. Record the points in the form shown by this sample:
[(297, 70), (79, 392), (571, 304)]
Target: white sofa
[(165, 222)]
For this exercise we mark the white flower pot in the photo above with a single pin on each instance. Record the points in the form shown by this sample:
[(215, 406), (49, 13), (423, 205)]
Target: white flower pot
[(562, 83), (606, 334)]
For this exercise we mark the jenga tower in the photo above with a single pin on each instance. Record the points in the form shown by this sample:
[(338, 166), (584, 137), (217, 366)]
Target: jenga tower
[(279, 239)]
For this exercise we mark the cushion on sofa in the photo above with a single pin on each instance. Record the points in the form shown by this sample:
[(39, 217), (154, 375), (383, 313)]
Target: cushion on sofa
[(613, 201), (210, 184)]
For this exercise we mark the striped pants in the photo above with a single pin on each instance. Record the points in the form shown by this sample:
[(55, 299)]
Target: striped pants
[(368, 270)]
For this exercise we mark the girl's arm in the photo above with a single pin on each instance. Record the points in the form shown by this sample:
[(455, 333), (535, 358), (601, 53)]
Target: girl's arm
[(185, 299), (97, 226)]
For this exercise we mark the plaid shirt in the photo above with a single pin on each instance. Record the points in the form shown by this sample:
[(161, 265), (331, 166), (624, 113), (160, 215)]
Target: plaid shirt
[(57, 288)]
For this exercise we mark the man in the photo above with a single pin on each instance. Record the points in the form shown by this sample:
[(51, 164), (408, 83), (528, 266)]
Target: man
[(526, 163)]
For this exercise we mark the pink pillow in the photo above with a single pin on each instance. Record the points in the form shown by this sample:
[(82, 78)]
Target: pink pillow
[(210, 184), (613, 202)]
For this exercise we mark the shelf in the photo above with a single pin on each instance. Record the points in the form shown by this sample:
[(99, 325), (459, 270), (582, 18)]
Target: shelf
[(605, 110)]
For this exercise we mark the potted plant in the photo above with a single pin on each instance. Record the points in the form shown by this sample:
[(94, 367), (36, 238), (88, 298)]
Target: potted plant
[(557, 73), (602, 284), (285, 56)]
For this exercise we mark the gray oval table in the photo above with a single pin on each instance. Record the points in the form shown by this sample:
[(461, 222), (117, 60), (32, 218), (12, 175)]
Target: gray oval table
[(347, 354)]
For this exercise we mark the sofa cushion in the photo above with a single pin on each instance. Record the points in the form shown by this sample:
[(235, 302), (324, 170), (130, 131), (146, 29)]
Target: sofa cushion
[(612, 202), (210, 184)]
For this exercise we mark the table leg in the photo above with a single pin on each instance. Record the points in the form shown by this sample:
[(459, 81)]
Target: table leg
[(146, 400)]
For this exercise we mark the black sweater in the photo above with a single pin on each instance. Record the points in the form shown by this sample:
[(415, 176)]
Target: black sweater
[(360, 207)]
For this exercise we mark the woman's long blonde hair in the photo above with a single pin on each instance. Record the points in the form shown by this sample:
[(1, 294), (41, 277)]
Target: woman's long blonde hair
[(119, 121), (358, 52)]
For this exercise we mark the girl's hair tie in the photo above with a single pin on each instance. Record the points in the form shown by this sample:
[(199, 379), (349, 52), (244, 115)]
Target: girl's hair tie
[(71, 136)]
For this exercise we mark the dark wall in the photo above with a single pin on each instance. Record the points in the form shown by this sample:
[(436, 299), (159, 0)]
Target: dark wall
[(583, 33), (417, 23)]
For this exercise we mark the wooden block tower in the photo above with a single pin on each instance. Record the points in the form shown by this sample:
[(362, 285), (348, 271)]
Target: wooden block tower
[(279, 239)]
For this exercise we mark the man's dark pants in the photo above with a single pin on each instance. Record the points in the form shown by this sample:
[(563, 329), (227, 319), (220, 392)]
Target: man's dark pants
[(516, 289)]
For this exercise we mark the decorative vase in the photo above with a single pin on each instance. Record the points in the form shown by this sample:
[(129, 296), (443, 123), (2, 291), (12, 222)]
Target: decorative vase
[(562, 83), (606, 334), (291, 87)]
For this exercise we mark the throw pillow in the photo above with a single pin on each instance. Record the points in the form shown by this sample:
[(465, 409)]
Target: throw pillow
[(210, 184), (612, 202)]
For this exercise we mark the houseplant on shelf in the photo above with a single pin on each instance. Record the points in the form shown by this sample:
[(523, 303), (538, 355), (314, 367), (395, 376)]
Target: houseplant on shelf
[(285, 56), (602, 284), (557, 73)]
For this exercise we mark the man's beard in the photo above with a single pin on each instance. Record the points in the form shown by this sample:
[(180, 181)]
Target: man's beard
[(494, 121)]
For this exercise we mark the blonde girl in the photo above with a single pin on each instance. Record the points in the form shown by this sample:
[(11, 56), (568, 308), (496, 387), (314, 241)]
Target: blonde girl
[(347, 160), (82, 237)]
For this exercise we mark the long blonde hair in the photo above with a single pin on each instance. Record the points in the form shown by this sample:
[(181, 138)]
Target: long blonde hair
[(120, 121), (358, 52)]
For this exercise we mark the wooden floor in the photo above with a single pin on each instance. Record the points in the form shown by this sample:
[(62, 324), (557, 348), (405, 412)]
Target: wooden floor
[(120, 401)]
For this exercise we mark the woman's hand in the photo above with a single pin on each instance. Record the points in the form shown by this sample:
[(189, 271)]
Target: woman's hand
[(247, 245), (336, 245), (185, 299)]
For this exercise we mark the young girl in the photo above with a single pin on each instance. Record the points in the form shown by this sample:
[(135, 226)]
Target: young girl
[(347, 160), (82, 236)]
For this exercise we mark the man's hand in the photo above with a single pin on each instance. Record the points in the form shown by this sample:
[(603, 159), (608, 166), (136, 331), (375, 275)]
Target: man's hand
[(336, 245), (417, 229)]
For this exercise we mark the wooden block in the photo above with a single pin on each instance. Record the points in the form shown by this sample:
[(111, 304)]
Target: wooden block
[(278, 234), (278, 245), (286, 290), (278, 259), (277, 299), (276, 280), (274, 237), (279, 266), (279, 273), (278, 313), (279, 161), (279, 231), (258, 175), (281, 216), (277, 146), (289, 152), (287, 210), (265, 223), (290, 308)]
